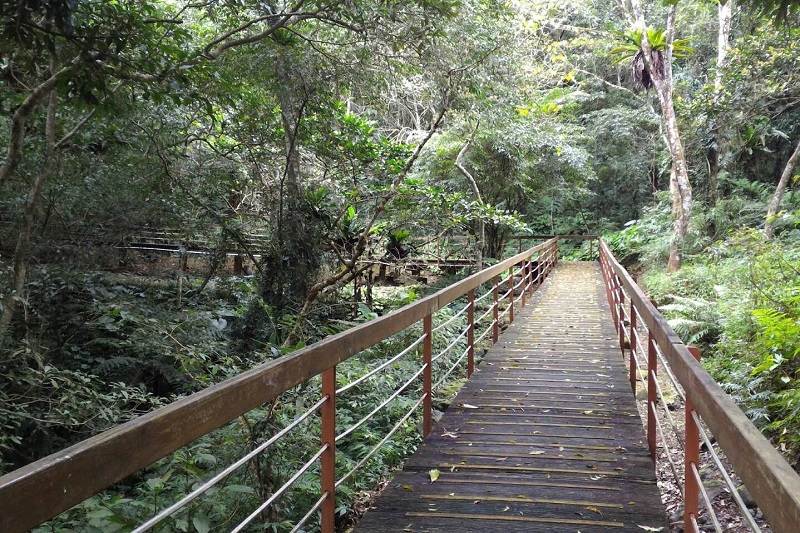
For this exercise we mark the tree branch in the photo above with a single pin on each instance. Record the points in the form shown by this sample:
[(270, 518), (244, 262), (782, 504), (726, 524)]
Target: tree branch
[(23, 112), (363, 240), (480, 234)]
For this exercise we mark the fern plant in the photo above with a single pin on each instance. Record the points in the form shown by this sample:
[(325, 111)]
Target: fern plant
[(631, 48), (695, 320)]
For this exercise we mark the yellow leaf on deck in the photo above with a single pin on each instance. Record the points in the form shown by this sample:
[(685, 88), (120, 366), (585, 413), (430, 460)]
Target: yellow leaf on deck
[(434, 474)]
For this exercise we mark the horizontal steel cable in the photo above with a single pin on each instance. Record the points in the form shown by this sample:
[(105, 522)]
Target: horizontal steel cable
[(706, 499), (450, 346), (452, 368), (278, 493), (377, 369), (734, 492), (383, 441), (673, 466), (172, 509), (381, 406), (303, 520), (482, 335), (442, 325)]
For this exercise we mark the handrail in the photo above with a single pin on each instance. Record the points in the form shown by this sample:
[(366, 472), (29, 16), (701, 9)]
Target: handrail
[(41, 490), (775, 486)]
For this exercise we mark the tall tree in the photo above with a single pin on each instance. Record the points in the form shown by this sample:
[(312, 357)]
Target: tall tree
[(653, 68), (93, 53), (724, 20), (774, 205)]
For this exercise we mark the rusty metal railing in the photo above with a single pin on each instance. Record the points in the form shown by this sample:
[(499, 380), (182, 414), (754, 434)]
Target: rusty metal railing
[(658, 359), (40, 491)]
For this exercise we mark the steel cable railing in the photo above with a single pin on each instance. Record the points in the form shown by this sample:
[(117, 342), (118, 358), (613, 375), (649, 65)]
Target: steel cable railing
[(202, 489), (753, 458), (383, 366), (36, 493)]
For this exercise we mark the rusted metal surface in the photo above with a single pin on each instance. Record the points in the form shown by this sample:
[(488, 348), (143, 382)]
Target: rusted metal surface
[(328, 468), (427, 379), (545, 437)]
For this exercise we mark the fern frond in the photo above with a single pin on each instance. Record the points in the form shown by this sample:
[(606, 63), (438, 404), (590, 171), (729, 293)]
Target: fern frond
[(115, 365)]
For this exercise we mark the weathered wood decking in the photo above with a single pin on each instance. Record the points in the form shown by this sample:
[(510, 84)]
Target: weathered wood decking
[(544, 437)]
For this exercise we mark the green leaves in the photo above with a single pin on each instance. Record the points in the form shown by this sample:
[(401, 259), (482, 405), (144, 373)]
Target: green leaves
[(201, 523), (655, 37)]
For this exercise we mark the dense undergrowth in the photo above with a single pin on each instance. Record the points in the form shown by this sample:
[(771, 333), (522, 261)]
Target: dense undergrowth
[(125, 345), (737, 297)]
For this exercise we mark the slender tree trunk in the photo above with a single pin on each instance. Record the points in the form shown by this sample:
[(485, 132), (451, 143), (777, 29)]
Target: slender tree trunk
[(297, 247), (775, 204), (22, 250), (680, 187), (480, 234), (724, 16), (17, 131)]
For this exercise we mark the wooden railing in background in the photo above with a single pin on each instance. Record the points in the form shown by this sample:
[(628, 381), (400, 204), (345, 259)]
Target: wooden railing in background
[(40, 491), (648, 339)]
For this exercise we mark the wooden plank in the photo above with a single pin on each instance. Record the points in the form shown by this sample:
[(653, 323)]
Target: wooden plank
[(520, 449)]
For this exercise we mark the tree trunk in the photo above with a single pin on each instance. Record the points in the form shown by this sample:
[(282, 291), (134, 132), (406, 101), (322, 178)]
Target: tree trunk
[(480, 234), (297, 249), (350, 266), (775, 204), (680, 187), (17, 131), (22, 251), (724, 16)]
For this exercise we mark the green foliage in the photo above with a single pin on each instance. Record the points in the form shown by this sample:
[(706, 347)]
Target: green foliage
[(114, 341), (740, 302), (299, 138), (166, 481), (698, 322), (632, 40)]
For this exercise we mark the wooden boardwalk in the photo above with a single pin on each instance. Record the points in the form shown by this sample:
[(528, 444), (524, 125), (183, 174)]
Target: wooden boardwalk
[(544, 437)]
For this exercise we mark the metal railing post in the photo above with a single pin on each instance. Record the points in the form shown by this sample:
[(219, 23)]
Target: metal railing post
[(328, 459), (691, 489), (427, 374), (652, 376), (471, 332), (621, 314), (511, 294), (496, 310), (524, 282), (632, 349)]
